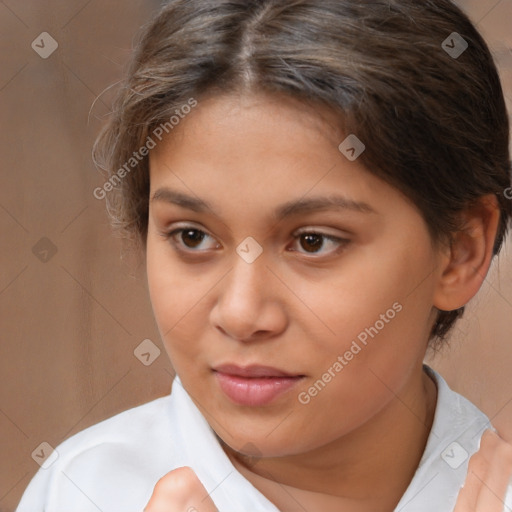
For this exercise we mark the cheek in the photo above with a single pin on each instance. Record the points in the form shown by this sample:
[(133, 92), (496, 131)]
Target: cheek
[(177, 298), (376, 315), (366, 290), (163, 285), (366, 378)]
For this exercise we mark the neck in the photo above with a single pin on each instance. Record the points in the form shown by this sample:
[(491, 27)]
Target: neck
[(368, 469)]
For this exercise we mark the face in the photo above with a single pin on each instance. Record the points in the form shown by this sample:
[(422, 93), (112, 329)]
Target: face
[(249, 265)]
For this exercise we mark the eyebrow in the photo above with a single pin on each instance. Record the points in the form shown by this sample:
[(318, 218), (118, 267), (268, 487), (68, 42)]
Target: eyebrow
[(293, 207)]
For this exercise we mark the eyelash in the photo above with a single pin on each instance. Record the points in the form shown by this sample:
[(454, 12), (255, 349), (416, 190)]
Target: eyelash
[(170, 236)]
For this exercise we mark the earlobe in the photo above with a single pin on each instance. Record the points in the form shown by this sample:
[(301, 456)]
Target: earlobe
[(469, 256)]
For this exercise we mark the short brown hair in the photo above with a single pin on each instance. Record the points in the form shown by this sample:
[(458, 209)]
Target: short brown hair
[(434, 124)]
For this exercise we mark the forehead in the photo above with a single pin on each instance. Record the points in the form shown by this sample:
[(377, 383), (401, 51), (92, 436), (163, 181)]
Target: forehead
[(260, 158), (237, 116), (250, 142)]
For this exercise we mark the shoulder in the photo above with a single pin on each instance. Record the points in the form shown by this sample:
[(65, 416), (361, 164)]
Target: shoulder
[(130, 450), (134, 427), (454, 437)]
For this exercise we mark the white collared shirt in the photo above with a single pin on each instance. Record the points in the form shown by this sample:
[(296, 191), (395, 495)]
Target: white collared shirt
[(114, 465)]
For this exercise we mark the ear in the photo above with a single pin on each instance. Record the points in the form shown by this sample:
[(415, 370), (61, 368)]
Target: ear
[(467, 261)]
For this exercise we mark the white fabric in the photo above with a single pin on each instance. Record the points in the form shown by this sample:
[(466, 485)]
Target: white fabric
[(114, 465)]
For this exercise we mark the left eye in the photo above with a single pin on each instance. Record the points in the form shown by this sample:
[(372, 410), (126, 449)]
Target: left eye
[(312, 242)]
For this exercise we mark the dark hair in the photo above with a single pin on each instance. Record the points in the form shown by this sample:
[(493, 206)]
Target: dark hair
[(434, 123)]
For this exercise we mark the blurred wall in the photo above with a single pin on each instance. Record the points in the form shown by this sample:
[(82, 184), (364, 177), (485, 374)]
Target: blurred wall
[(72, 311)]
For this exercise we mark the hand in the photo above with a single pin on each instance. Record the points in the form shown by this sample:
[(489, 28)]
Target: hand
[(180, 491), (489, 473)]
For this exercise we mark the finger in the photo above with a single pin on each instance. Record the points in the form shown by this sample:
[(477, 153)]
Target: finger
[(468, 495), (477, 469), (180, 490), (489, 471), (498, 454)]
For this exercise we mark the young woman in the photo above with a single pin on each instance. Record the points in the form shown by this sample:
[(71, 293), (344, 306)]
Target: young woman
[(318, 188)]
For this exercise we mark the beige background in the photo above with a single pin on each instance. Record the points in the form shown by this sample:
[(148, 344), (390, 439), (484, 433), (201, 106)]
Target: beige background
[(70, 325)]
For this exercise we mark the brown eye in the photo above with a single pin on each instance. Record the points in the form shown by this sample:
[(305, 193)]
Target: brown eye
[(312, 242), (190, 239), (193, 235)]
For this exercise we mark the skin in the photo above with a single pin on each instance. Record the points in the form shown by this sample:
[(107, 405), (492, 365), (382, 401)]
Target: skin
[(299, 306)]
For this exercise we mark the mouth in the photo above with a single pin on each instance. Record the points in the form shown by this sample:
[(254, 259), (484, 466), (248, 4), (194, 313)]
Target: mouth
[(254, 385)]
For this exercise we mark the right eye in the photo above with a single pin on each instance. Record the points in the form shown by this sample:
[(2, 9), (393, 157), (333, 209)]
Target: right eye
[(188, 239)]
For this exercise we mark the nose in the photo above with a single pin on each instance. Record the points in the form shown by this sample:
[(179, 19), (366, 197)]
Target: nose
[(250, 303)]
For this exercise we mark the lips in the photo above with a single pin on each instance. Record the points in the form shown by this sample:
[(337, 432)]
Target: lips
[(254, 385), (253, 371)]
